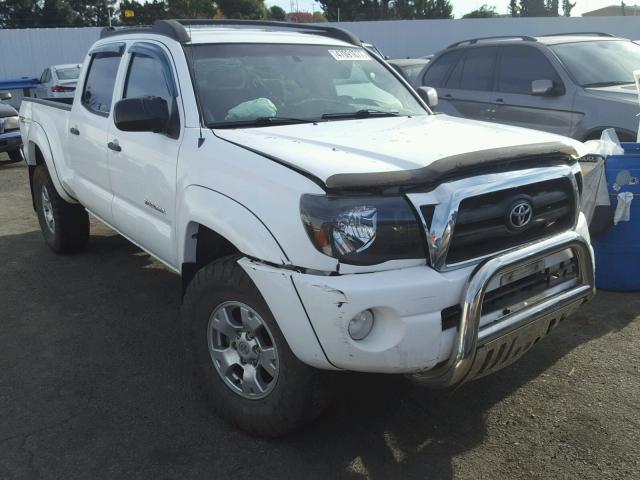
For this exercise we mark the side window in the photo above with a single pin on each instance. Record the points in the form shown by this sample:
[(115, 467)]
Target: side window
[(436, 73), (101, 78), (148, 76), (43, 77), (519, 66), (478, 70)]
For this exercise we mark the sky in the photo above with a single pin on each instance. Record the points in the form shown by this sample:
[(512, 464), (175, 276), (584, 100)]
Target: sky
[(460, 7)]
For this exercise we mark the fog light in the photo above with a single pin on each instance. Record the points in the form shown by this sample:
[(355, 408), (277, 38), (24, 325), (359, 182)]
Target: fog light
[(360, 325)]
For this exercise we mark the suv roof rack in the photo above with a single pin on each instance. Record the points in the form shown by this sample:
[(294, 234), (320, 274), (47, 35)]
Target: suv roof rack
[(568, 34), (473, 41), (176, 30)]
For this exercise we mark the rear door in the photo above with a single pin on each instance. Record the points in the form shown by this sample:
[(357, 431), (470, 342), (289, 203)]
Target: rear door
[(519, 66), (143, 164), (466, 89), (89, 125)]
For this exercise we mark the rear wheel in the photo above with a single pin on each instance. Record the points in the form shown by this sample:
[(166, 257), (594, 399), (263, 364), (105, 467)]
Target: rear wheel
[(247, 370), (64, 226)]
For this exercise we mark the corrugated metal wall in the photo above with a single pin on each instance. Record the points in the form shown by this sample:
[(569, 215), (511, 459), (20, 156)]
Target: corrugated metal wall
[(25, 53), (416, 38)]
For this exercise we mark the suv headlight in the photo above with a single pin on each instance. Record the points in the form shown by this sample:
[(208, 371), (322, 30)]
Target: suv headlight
[(362, 230), (10, 123)]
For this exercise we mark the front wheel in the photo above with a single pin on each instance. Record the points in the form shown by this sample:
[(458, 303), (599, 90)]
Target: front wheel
[(249, 373), (64, 226)]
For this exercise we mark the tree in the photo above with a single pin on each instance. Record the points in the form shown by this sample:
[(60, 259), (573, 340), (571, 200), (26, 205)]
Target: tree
[(532, 8), (567, 6), (57, 13), (191, 8), (485, 11), (243, 9), (277, 13), (318, 17), (551, 6), (93, 13), (144, 13), (514, 8), (19, 13), (433, 9)]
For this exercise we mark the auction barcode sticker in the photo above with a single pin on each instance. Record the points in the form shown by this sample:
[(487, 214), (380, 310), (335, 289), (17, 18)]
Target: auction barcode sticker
[(350, 54)]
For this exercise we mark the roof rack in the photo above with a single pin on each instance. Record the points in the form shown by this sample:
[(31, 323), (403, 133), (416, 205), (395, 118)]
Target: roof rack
[(176, 30), (473, 41), (566, 34)]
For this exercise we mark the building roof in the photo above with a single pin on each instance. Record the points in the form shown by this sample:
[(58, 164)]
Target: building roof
[(614, 11)]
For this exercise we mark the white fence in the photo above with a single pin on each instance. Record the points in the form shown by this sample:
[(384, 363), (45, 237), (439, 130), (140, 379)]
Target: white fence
[(25, 53), (415, 38)]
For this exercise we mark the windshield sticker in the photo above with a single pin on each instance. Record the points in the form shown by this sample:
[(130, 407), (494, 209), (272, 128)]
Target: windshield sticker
[(349, 54)]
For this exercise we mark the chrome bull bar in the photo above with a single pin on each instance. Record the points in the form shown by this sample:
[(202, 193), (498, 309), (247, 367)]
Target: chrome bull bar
[(468, 358)]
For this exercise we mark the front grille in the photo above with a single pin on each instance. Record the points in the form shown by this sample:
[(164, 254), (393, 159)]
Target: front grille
[(483, 227)]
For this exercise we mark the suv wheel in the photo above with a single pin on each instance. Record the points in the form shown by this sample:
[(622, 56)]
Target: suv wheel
[(244, 364), (64, 226), (15, 155)]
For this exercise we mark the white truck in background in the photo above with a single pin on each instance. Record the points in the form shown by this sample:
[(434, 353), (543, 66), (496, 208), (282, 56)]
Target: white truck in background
[(321, 216)]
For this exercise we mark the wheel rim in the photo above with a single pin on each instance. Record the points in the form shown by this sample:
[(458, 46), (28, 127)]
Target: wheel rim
[(242, 350), (47, 210)]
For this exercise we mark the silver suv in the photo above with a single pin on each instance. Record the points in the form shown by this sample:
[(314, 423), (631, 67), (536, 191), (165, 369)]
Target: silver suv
[(574, 85)]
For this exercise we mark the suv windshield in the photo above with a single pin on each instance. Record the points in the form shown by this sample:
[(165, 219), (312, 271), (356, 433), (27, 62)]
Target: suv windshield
[(600, 63), (68, 73), (244, 84)]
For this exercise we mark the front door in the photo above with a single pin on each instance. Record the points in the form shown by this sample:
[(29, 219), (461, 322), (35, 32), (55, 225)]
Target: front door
[(88, 127), (514, 103), (143, 164)]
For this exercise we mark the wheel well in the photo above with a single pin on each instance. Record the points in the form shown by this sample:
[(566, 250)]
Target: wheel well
[(622, 135), (209, 246)]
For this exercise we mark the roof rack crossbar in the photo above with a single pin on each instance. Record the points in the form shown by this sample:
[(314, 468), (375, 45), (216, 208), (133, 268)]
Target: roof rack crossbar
[(176, 30), (565, 34), (473, 41)]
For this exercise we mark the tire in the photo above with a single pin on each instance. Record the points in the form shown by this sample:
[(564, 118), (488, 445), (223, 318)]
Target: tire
[(15, 156), (64, 226), (292, 397)]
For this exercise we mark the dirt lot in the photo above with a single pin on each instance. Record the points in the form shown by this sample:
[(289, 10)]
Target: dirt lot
[(93, 385)]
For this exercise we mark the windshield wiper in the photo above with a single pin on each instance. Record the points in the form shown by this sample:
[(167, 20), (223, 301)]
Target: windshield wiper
[(607, 84), (260, 122), (366, 113)]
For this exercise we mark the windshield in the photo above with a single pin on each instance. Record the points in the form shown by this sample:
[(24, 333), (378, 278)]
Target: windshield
[(600, 63), (69, 73), (250, 83)]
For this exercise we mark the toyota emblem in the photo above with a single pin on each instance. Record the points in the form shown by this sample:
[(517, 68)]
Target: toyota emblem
[(520, 214)]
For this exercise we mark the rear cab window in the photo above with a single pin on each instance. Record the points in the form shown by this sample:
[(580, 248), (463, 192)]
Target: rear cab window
[(97, 93)]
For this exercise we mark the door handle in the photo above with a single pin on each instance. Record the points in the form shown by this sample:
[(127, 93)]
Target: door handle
[(114, 146), (448, 95), (499, 100), (74, 131)]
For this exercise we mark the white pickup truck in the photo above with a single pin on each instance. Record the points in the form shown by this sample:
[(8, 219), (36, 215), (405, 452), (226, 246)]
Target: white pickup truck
[(321, 216)]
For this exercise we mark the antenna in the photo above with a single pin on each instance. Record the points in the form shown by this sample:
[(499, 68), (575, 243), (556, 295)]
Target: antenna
[(195, 87)]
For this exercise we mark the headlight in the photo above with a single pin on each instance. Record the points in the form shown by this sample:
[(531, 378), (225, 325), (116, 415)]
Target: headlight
[(11, 123), (362, 230)]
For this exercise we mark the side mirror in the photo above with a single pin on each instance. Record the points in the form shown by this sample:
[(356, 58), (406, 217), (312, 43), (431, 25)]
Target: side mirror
[(542, 88), (141, 114), (5, 95), (429, 95)]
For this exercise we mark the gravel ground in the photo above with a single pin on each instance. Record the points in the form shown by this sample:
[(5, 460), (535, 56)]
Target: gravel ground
[(93, 385)]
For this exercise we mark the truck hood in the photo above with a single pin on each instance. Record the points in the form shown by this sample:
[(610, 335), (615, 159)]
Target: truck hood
[(617, 93), (395, 150)]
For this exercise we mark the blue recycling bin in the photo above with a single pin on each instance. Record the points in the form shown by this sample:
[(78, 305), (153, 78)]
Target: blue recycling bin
[(618, 251)]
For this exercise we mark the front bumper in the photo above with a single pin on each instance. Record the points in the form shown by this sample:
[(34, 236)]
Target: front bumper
[(409, 335), (10, 141)]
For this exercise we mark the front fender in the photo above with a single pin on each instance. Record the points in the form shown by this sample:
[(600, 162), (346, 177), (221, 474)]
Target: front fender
[(227, 217)]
